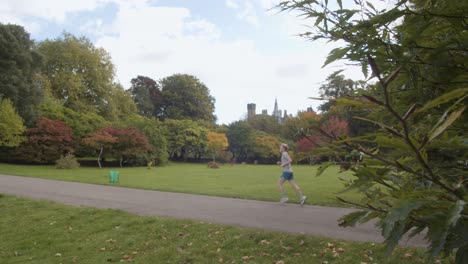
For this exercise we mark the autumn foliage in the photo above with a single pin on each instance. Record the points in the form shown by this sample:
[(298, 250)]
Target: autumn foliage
[(46, 142), (117, 142)]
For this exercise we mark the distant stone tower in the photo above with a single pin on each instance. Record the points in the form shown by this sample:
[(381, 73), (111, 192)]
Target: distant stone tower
[(251, 112)]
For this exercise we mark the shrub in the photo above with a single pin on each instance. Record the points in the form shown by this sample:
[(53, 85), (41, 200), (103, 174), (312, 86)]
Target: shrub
[(213, 165), (67, 162)]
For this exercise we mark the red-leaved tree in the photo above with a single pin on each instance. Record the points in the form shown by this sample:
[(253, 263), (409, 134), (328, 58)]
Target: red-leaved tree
[(100, 140), (46, 142), (118, 142)]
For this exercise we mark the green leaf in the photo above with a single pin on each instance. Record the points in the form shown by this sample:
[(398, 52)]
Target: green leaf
[(355, 103), (371, 6), (318, 20), (399, 214), (394, 236), (323, 167), (455, 213), (335, 54), (353, 218), (438, 233), (446, 97), (462, 255), (365, 69), (452, 118), (340, 3)]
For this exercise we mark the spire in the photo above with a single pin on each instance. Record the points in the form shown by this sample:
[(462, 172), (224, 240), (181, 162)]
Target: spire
[(275, 110)]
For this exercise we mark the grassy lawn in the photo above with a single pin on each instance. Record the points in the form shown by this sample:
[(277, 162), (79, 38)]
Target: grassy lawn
[(239, 181), (46, 232)]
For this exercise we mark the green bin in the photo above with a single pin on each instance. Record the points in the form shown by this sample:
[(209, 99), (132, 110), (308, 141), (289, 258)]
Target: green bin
[(113, 176)]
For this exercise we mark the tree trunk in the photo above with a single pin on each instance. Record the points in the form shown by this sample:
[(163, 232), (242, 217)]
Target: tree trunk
[(99, 157), (121, 160)]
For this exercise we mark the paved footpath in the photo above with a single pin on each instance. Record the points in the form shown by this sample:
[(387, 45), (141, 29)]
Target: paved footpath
[(292, 218)]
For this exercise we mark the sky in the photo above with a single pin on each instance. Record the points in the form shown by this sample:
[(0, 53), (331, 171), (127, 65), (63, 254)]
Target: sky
[(244, 51)]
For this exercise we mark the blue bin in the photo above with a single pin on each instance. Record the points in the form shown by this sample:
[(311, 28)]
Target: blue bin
[(113, 176)]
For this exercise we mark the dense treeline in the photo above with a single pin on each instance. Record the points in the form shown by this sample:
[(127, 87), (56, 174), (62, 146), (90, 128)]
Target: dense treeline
[(59, 96)]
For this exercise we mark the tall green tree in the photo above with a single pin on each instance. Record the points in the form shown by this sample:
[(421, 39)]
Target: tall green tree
[(241, 138), (413, 176), (147, 96), (11, 125), (335, 86), (185, 138), (82, 123), (186, 97), (155, 131), (19, 67), (79, 74), (265, 123)]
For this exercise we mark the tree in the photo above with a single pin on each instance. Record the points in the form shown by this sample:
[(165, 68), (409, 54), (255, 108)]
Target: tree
[(82, 123), (413, 178), (46, 142), (185, 97), (265, 123), (241, 140), (185, 138), (336, 86), (130, 141), (19, 66), (100, 140), (305, 147), (121, 104), (304, 121), (11, 125), (147, 96), (79, 74), (216, 143), (155, 131), (266, 148), (120, 143)]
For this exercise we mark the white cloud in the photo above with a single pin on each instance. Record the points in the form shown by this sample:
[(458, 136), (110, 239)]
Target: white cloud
[(55, 10), (245, 10), (232, 4), (160, 41)]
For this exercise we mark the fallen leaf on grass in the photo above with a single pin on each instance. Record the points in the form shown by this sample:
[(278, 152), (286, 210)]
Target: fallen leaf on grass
[(58, 255), (301, 243), (288, 248), (329, 245), (325, 262), (111, 240), (103, 248), (246, 257), (297, 254), (340, 250), (408, 255), (265, 242), (279, 262), (218, 250)]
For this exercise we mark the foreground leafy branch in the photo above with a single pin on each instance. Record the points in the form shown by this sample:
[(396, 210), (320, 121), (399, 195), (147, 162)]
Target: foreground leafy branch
[(414, 173)]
